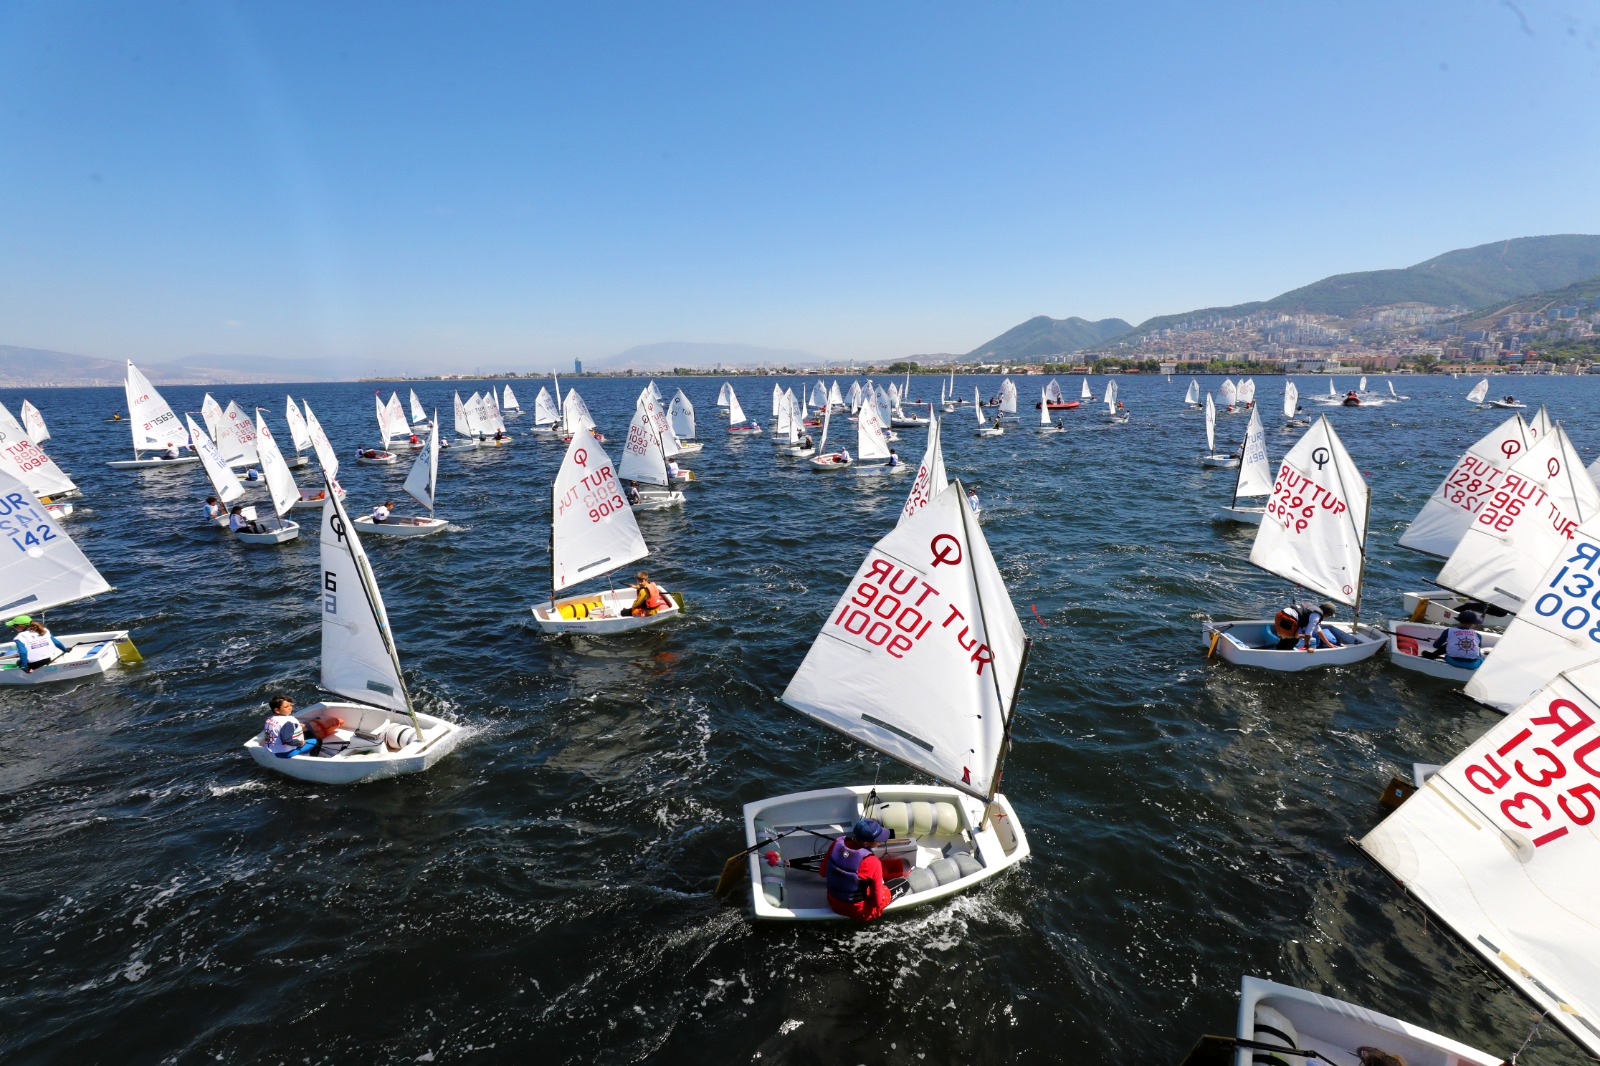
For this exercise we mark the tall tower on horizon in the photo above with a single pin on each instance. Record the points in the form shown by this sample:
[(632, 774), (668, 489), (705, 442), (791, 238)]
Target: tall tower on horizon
[(577, 368)]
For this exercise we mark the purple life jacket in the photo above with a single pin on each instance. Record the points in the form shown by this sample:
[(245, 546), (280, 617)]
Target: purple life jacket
[(843, 863)]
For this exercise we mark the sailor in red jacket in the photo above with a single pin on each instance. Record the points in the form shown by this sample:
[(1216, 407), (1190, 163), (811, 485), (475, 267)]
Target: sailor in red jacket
[(854, 875)]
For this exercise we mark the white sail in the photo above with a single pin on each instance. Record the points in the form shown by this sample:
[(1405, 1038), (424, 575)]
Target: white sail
[(1247, 391), (796, 417), (1330, 389), (1084, 393), (592, 527), (682, 415), (40, 566), (920, 658), (835, 397), (223, 479), (977, 406), (1391, 389), (822, 445), (886, 406), (1211, 426), (575, 413), (396, 415), (931, 479), (854, 398), (1291, 399), (1044, 406), (1255, 469), (1479, 392), (1558, 633), (872, 440), (33, 423), (665, 438), (735, 412), (819, 395), (299, 435), (509, 403), (359, 660), (1545, 496), (1473, 482), (22, 457), (383, 419), (153, 424), (1111, 395), (493, 421), (1193, 395), (241, 437), (723, 394), (1539, 424), (463, 419), (423, 481), (1502, 845), (544, 409), (785, 421), (1361, 386), (1052, 392), (1008, 397), (211, 414), (1229, 393), (1315, 530), (285, 493), (326, 457), (418, 415), (777, 398), (642, 458)]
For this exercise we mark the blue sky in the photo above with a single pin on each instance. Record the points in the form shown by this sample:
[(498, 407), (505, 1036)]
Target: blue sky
[(521, 184)]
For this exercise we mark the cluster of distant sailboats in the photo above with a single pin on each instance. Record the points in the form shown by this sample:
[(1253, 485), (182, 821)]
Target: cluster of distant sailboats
[(922, 658)]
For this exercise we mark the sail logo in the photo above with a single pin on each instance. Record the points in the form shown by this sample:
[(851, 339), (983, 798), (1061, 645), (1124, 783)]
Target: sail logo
[(946, 550), (1537, 789)]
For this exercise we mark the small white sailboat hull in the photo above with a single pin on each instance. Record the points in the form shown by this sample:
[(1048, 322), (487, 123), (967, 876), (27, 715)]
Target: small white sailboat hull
[(989, 431), (690, 447), (1408, 640), (1439, 608), (400, 527), (380, 459), (601, 613), (87, 655), (367, 757), (1250, 516), (1250, 643), (1508, 405), (1220, 462), (282, 535), (310, 499), (658, 501), (831, 463), (797, 451), (949, 841), (151, 464)]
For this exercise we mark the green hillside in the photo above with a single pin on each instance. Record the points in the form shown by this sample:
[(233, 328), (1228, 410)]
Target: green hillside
[(1043, 336), (1580, 293), (1472, 277)]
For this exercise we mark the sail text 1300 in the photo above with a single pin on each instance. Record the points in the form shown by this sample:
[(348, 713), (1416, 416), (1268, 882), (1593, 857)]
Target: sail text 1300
[(25, 524), (1505, 505), (1544, 794), (598, 493), (1296, 498), (890, 608), (1574, 607)]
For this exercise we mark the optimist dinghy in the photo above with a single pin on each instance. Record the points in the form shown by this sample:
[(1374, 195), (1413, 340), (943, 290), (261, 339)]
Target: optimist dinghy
[(1281, 1024), (681, 414), (422, 485), (381, 734), (826, 462), (795, 442), (21, 456), (285, 493), (938, 699), (738, 424), (1479, 393), (222, 478), (1212, 458), (1255, 477), (873, 455), (1291, 407), (986, 427), (1315, 535), (1409, 640), (154, 426), (41, 568), (644, 462), (593, 532), (1045, 425)]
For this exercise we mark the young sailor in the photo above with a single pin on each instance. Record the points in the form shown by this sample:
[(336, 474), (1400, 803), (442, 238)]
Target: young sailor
[(1300, 622), (380, 513), (650, 598), (1461, 645), (854, 876), (213, 509), (283, 734), (36, 646)]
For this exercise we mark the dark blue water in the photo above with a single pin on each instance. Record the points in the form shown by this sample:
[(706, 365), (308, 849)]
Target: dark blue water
[(546, 890)]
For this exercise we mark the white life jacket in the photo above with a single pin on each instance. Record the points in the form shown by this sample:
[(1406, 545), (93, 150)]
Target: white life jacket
[(380, 513), (1463, 644), (271, 732), (39, 648)]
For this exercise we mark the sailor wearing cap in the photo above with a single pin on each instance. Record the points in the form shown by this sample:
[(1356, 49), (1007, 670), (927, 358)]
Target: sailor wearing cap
[(1461, 644), (35, 644), (854, 875)]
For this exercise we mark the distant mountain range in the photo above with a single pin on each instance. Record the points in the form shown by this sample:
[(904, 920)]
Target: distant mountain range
[(1042, 336), (1485, 276), (23, 367)]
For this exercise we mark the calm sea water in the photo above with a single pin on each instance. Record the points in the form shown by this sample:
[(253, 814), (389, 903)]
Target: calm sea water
[(546, 890)]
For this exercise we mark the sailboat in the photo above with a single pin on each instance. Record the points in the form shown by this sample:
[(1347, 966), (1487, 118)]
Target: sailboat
[(1116, 413), (593, 532), (422, 485), (1501, 845), (1045, 425), (1084, 395), (509, 408), (725, 396), (889, 674), (1228, 394), (41, 568), (1448, 514), (796, 443), (382, 734), (223, 479), (1213, 458), (155, 428), (738, 424), (1247, 393), (381, 456), (326, 458), (494, 424), (1280, 1024), (987, 427), (33, 423), (22, 457), (1392, 394), (950, 401), (1291, 407), (1008, 399), (1479, 393), (467, 431), (825, 462), (1192, 398), (280, 482), (546, 416), (644, 461), (299, 436), (1255, 477), (873, 454), (419, 417), (1315, 535), (681, 414), (575, 416)]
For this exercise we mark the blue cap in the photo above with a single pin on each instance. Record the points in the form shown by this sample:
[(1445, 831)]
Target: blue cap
[(870, 831)]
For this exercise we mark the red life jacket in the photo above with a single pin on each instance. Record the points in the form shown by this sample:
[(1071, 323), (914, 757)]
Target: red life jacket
[(654, 601)]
